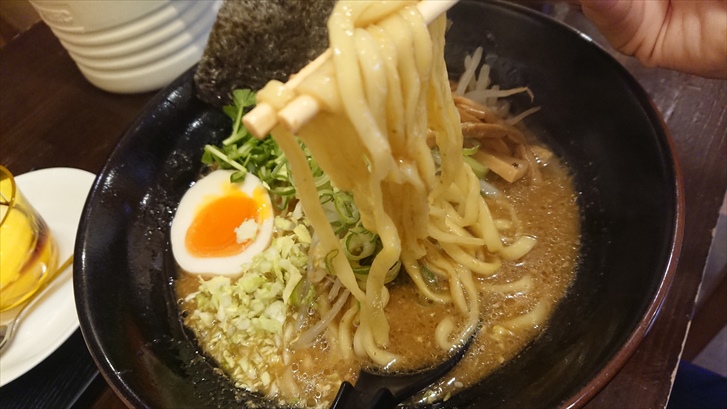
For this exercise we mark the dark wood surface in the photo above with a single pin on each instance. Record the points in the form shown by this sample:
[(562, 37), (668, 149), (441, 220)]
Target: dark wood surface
[(51, 116)]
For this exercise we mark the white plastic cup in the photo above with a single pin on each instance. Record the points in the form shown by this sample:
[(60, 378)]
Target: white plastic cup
[(131, 46)]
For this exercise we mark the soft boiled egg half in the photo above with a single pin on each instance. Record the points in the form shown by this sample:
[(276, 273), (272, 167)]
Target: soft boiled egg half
[(220, 225)]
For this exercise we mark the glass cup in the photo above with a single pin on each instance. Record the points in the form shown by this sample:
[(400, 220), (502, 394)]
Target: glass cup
[(28, 252)]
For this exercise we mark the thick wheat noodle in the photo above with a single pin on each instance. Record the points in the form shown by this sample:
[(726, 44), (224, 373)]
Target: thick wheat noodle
[(455, 288), (535, 318), (345, 337), (462, 257), (459, 239), (465, 237), (309, 197), (524, 284), (382, 94), (414, 270), (514, 219), (443, 331)]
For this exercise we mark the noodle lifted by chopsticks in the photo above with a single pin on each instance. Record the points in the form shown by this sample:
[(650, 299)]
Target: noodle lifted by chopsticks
[(385, 89)]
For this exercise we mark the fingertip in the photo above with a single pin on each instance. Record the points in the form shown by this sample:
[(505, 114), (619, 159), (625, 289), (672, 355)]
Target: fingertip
[(618, 20)]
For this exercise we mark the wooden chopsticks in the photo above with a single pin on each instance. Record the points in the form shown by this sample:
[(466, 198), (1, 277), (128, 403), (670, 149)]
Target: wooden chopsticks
[(302, 109)]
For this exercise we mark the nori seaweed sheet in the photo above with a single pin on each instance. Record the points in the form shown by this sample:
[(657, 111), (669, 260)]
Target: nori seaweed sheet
[(253, 41)]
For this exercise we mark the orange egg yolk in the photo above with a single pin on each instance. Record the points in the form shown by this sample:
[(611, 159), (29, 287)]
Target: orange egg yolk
[(212, 233)]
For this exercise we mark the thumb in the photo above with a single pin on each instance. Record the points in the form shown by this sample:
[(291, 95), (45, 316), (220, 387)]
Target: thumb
[(626, 23)]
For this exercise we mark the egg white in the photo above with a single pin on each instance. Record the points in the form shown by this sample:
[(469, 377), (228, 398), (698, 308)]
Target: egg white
[(215, 184)]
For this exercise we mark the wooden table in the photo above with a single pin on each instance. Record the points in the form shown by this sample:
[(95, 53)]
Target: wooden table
[(51, 116)]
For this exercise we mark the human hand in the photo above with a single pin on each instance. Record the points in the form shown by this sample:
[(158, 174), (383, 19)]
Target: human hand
[(684, 35)]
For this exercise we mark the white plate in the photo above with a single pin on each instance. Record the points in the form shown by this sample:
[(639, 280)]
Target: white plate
[(58, 194)]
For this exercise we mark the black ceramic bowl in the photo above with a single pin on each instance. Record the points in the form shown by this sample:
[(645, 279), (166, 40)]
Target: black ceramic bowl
[(595, 116)]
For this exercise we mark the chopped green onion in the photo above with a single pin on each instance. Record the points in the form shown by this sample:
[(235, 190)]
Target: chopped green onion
[(329, 261), (479, 169)]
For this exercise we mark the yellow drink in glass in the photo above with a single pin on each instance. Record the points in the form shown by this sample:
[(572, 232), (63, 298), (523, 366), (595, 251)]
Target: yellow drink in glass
[(28, 253)]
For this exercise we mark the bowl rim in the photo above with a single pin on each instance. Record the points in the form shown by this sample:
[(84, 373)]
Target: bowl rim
[(624, 353), (618, 361)]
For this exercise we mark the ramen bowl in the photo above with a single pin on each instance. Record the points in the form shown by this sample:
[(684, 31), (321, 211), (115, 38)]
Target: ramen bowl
[(594, 115)]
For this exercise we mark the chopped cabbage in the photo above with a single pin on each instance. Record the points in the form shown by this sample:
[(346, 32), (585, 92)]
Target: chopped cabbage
[(253, 309)]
